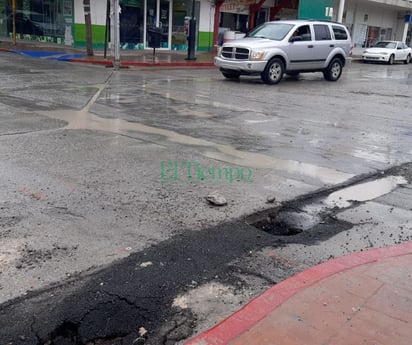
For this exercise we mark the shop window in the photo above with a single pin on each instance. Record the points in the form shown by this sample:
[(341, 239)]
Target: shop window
[(37, 18), (131, 26)]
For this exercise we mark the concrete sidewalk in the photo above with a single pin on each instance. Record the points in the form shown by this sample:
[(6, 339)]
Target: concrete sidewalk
[(147, 57), (363, 298)]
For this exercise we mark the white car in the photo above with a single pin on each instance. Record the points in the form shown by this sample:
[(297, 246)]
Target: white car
[(388, 52)]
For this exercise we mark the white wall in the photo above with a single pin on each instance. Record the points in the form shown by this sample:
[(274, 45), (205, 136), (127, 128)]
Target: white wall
[(206, 17), (97, 9)]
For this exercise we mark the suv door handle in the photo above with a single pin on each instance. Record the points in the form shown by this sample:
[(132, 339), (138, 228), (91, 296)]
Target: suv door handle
[(310, 46)]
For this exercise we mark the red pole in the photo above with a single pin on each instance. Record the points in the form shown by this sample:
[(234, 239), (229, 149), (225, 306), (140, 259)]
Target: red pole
[(218, 5), (252, 12)]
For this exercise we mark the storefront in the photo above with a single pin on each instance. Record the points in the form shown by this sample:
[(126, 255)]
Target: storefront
[(138, 16), (38, 20), (372, 21), (63, 22)]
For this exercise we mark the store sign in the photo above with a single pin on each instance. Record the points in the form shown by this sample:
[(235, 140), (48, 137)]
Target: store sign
[(237, 6)]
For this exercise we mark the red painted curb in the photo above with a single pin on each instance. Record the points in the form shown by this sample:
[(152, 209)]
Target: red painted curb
[(145, 64), (168, 64), (268, 301), (94, 62)]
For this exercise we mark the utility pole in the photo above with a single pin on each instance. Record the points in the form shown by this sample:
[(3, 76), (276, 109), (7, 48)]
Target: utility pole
[(88, 23), (13, 8), (116, 35), (107, 28), (191, 44)]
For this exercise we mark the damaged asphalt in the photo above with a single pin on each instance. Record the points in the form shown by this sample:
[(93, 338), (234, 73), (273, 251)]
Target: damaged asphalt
[(110, 306), (117, 301)]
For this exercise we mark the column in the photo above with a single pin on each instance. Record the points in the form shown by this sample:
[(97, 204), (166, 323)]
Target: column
[(340, 11)]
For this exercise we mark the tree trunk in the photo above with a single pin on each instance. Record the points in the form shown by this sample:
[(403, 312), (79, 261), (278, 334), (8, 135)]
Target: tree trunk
[(88, 23)]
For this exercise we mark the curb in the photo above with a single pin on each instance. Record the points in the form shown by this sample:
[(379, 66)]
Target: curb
[(172, 64), (268, 301), (109, 63), (104, 62)]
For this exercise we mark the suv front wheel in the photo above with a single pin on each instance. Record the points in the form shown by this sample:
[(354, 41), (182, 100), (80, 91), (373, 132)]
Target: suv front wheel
[(273, 72), (334, 70)]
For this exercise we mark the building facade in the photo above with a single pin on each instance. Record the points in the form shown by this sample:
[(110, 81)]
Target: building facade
[(62, 21), (371, 21)]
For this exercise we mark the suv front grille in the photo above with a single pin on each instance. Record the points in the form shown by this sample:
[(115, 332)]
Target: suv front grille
[(235, 53)]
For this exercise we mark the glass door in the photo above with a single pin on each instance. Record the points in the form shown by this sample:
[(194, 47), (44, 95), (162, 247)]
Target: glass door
[(158, 15)]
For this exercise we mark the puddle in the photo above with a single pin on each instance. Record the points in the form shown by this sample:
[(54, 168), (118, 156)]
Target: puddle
[(372, 156), (364, 192), (83, 119)]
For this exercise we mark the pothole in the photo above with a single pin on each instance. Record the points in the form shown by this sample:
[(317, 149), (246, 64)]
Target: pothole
[(288, 222), (301, 216)]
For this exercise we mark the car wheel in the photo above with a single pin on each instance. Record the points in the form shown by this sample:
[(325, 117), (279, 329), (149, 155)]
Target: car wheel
[(334, 70), (391, 60), (231, 75), (273, 72), (407, 60)]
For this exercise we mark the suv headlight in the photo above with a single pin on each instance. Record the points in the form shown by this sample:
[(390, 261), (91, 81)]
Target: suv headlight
[(257, 54)]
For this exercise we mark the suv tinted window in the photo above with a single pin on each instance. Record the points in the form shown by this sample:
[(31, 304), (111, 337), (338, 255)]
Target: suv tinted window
[(303, 32), (340, 33), (321, 32)]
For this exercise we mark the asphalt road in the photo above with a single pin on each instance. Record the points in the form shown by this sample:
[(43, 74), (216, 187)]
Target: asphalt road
[(104, 225)]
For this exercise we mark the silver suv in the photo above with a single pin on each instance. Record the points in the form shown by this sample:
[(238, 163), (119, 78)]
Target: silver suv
[(289, 46)]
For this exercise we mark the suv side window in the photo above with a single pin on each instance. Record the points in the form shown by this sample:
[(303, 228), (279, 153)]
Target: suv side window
[(303, 32), (322, 32), (339, 32)]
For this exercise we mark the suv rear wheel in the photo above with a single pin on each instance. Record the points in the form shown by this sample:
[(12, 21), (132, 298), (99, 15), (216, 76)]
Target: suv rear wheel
[(273, 72), (334, 70)]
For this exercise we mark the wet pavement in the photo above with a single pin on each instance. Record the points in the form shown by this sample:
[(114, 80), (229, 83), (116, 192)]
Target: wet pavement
[(102, 166)]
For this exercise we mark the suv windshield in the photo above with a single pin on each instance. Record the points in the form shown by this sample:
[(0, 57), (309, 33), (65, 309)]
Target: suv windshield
[(273, 31)]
